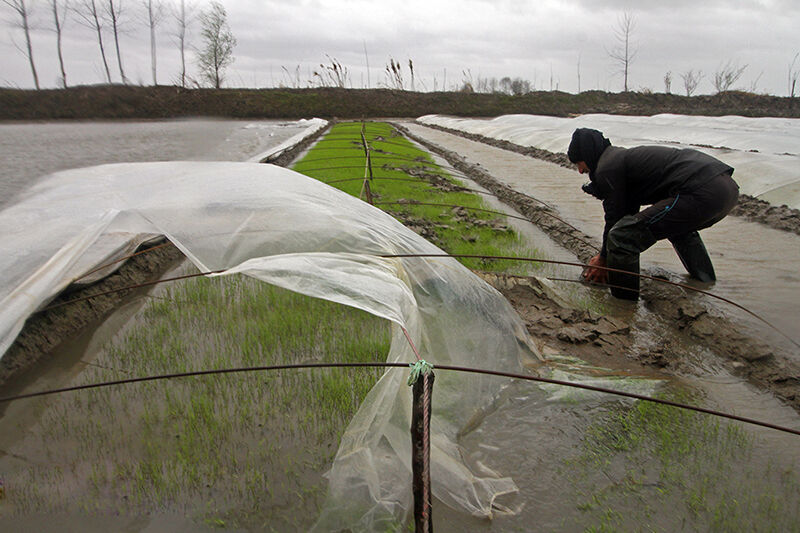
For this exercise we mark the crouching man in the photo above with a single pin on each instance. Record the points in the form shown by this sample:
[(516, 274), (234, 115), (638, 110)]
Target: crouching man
[(686, 190)]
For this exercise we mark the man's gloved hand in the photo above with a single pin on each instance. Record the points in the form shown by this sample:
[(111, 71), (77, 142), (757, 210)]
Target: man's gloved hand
[(596, 275), (590, 188)]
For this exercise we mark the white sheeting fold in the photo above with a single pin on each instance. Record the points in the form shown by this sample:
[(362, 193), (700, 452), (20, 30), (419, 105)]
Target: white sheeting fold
[(765, 152), (293, 231)]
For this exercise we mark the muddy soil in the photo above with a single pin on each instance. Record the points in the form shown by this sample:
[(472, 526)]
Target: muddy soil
[(60, 320), (750, 208), (689, 314)]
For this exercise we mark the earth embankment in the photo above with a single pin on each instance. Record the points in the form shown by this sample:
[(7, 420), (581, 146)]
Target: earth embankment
[(135, 102)]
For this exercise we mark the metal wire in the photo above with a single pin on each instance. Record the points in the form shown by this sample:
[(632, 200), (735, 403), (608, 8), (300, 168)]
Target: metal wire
[(453, 368), (609, 269), (140, 252), (469, 256), (129, 287)]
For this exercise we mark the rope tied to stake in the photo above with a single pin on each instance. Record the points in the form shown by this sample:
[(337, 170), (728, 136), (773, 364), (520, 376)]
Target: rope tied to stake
[(420, 368)]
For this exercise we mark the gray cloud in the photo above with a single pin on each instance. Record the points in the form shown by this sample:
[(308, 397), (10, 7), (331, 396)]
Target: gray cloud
[(482, 37)]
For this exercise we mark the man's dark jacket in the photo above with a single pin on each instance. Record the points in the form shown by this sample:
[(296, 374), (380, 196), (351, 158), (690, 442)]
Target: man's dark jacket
[(628, 178)]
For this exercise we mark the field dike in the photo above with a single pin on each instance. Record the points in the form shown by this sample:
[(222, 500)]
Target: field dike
[(690, 314)]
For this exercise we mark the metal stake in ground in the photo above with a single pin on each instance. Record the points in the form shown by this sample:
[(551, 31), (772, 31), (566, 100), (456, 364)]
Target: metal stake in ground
[(421, 446), (367, 168)]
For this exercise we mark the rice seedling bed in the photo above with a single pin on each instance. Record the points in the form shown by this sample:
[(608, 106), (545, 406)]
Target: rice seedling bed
[(406, 178)]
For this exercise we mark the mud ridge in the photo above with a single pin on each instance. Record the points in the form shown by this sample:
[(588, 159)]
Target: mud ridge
[(556, 326), (750, 208), (46, 329), (689, 314)]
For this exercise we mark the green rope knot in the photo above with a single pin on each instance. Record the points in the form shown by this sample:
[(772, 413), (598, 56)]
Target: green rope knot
[(421, 367)]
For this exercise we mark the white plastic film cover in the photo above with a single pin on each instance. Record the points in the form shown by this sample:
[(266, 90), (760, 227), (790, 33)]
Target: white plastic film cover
[(765, 152), (284, 228)]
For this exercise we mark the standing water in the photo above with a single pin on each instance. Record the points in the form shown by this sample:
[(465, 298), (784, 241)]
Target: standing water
[(31, 150)]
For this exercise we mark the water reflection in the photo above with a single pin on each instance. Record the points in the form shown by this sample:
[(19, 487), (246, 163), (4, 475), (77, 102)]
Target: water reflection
[(31, 150)]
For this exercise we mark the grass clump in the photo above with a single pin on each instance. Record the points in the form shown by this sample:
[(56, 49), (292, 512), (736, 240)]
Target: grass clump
[(668, 467), (407, 178), (244, 450)]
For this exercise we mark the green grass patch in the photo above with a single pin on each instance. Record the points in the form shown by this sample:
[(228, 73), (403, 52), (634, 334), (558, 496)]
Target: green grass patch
[(246, 450), (405, 179), (666, 467)]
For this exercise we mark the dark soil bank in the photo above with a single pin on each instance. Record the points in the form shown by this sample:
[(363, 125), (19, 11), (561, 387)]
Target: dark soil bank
[(61, 320), (131, 102)]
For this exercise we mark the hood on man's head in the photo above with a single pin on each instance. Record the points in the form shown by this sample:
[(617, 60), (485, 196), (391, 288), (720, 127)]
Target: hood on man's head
[(587, 145)]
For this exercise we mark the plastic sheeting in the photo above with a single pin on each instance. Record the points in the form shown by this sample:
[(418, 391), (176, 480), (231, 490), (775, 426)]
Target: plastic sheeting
[(312, 126), (295, 232), (764, 151)]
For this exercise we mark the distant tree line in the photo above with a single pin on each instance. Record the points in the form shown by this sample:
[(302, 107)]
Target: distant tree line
[(724, 77), (109, 19)]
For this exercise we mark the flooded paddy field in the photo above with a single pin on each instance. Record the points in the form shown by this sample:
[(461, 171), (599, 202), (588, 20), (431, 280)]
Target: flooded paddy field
[(248, 449), (248, 453), (30, 150)]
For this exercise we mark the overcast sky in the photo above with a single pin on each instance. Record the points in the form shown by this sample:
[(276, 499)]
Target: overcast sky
[(550, 43)]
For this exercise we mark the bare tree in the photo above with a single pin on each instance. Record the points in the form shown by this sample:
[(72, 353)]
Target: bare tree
[(113, 9), (793, 75), (183, 20), (668, 82), (624, 53), (219, 42), (366, 57), (154, 13), (89, 15), (24, 14), (690, 80), (727, 75), (60, 10)]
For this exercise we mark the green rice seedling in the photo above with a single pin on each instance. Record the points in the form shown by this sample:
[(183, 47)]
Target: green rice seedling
[(675, 466), (235, 448), (407, 179)]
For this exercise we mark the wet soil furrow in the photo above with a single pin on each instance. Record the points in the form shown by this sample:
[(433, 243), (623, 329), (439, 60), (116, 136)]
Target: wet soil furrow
[(687, 313)]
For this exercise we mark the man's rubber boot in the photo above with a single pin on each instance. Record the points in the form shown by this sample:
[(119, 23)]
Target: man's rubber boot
[(626, 240), (694, 256)]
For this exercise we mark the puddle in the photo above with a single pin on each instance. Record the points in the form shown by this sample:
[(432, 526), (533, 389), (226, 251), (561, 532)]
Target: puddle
[(586, 460), (31, 150)]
